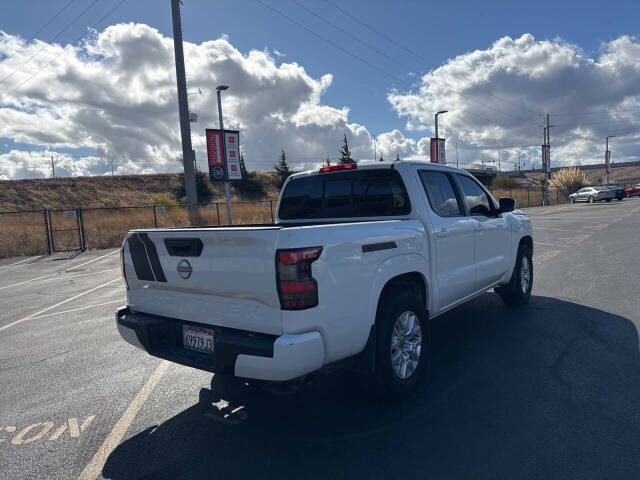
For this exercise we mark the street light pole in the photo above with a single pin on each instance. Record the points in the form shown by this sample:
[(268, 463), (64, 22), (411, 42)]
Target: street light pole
[(440, 112), (607, 156), (221, 88)]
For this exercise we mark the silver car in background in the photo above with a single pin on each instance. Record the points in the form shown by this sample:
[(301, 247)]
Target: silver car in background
[(592, 194)]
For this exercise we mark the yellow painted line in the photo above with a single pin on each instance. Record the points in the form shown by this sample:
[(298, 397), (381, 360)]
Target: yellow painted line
[(17, 263), (80, 308), (33, 315), (91, 261), (94, 467)]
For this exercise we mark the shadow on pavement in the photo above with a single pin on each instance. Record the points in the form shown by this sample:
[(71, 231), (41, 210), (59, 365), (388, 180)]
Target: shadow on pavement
[(551, 390)]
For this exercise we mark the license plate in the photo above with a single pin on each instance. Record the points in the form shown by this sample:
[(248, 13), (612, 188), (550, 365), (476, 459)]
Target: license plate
[(198, 339)]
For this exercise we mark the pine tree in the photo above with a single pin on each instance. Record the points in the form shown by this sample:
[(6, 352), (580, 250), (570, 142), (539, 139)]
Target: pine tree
[(397, 157), (282, 169), (345, 154), (250, 181), (326, 162), (381, 159)]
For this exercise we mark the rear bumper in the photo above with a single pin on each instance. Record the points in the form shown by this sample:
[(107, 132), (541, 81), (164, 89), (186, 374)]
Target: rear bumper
[(236, 352)]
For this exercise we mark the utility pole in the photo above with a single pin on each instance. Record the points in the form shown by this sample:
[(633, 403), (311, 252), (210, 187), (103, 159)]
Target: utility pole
[(547, 173), (499, 160), (183, 109), (607, 156), (457, 155), (519, 167), (53, 168), (112, 166)]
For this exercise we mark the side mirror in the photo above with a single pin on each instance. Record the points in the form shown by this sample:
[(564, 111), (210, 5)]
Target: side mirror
[(507, 204)]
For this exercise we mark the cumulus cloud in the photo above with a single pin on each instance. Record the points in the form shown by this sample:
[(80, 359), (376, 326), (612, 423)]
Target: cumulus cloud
[(116, 94), (394, 143), (495, 98)]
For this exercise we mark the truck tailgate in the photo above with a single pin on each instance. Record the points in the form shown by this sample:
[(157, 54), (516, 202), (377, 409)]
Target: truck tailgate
[(218, 276)]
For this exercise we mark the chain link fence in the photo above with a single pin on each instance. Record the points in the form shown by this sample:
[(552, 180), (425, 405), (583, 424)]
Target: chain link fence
[(42, 232)]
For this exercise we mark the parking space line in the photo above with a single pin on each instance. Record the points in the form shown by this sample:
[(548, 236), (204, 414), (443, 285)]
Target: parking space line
[(94, 467), (33, 315), (61, 278), (17, 263), (558, 229), (80, 308), (548, 244), (91, 261), (30, 280)]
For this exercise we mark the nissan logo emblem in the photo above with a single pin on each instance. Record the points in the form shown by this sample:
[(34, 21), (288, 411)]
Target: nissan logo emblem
[(184, 269)]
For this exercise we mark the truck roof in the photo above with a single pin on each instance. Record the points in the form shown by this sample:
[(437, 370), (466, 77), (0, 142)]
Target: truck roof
[(387, 164)]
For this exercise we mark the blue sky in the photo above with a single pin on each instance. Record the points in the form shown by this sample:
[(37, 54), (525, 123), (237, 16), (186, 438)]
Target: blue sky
[(438, 31)]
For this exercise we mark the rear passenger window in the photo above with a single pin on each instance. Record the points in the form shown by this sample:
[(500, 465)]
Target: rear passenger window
[(302, 198), (441, 193), (352, 194)]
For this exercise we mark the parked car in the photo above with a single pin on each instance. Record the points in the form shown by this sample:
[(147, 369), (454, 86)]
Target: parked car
[(360, 259), (634, 191), (618, 193), (591, 194)]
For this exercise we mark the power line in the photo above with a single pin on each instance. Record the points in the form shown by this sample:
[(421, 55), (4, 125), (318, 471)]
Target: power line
[(64, 51), (33, 37), (360, 59), (49, 42), (365, 61), (415, 54)]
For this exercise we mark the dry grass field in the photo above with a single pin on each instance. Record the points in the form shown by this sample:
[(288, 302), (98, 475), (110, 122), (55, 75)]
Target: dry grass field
[(25, 233)]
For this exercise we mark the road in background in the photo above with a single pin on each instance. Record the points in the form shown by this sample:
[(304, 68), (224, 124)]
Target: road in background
[(548, 390)]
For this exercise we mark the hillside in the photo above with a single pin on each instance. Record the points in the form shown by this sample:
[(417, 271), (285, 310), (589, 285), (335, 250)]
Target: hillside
[(625, 175), (109, 191)]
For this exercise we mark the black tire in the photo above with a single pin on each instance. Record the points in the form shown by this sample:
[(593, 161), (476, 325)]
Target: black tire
[(394, 304), (572, 200), (619, 199), (591, 200), (513, 293), (607, 200)]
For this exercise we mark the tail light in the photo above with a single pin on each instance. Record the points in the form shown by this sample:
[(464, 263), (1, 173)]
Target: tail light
[(296, 286), (124, 271)]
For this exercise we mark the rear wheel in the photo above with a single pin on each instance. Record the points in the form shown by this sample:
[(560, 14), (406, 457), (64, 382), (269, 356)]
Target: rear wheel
[(401, 343), (591, 200), (607, 200), (518, 290)]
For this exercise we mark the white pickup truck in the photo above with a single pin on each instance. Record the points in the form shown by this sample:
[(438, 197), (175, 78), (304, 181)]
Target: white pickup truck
[(359, 260)]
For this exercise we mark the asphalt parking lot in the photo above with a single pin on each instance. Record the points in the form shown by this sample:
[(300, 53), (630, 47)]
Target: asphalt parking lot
[(551, 390)]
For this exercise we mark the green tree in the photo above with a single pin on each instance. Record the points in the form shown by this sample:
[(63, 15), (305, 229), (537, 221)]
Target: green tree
[(345, 153), (504, 182), (282, 169), (250, 182), (202, 187), (381, 159)]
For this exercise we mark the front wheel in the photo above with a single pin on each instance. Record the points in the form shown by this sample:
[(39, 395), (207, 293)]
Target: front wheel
[(402, 338), (607, 200), (572, 200), (518, 290), (591, 200)]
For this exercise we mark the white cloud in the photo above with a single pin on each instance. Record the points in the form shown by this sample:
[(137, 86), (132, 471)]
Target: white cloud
[(494, 98), (395, 143), (117, 94)]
